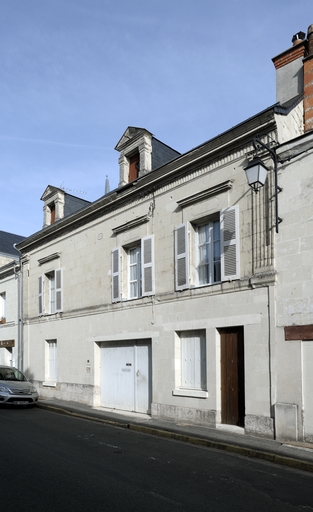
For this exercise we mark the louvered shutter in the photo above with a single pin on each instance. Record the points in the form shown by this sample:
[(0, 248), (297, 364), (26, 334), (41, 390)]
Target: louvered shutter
[(181, 257), (41, 295), (58, 290), (116, 275), (147, 265), (230, 246)]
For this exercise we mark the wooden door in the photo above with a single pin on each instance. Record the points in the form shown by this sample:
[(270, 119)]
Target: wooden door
[(232, 376)]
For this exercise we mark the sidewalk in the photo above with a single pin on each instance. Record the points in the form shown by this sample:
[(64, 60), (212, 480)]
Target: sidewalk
[(295, 455)]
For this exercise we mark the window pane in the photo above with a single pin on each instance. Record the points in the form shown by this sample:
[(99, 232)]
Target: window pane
[(52, 292), (209, 253), (134, 273)]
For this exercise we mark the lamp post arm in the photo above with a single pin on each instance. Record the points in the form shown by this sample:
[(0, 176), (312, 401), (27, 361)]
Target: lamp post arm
[(278, 189)]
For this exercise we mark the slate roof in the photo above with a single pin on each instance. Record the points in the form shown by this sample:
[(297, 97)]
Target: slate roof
[(6, 244)]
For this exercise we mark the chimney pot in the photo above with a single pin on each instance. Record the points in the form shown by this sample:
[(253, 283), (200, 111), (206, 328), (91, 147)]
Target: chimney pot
[(298, 38)]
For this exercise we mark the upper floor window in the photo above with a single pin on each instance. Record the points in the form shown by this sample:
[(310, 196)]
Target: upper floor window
[(3, 312), (50, 292), (210, 249), (134, 257), (209, 253), (134, 166), (137, 262), (52, 212)]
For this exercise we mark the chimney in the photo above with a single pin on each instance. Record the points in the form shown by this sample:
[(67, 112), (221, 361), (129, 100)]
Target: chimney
[(289, 70), (308, 82)]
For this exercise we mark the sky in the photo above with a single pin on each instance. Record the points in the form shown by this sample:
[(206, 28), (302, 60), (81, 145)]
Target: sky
[(76, 73)]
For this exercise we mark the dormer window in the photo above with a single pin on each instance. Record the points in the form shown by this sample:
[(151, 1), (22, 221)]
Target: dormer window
[(52, 212), (134, 166)]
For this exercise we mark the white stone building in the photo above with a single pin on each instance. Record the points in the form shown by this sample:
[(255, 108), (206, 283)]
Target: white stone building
[(10, 300), (180, 293)]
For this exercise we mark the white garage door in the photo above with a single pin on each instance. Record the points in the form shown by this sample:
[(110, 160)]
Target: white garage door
[(126, 376)]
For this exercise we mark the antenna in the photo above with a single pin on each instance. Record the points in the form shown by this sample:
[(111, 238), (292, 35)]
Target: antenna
[(72, 190)]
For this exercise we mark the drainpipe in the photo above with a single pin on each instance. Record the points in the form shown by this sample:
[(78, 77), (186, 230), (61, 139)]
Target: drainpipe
[(20, 344)]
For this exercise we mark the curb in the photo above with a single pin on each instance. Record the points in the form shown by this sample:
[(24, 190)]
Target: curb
[(274, 458)]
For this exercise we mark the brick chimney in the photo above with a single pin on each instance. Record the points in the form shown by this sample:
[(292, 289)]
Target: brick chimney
[(308, 82), (289, 70)]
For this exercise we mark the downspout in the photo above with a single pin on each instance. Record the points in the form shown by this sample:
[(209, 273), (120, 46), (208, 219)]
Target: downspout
[(20, 341)]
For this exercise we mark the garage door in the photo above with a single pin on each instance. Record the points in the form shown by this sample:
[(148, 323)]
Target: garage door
[(126, 376)]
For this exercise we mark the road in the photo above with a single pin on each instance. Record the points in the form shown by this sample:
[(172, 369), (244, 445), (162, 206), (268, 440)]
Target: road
[(52, 462)]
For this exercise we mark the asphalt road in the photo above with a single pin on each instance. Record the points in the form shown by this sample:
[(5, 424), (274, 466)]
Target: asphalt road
[(51, 462)]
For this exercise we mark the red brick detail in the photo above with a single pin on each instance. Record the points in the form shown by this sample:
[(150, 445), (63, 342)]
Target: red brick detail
[(293, 53), (308, 93)]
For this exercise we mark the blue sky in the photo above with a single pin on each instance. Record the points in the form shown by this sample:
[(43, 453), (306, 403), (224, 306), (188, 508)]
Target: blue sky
[(76, 73)]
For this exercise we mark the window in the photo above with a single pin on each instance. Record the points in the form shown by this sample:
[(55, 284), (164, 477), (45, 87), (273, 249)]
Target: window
[(51, 361), (134, 256), (50, 292), (52, 212), (134, 167), (216, 255), (209, 253), (3, 306), (137, 262), (191, 379)]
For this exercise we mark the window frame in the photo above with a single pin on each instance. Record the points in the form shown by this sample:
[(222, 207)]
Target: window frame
[(120, 263), (51, 363), (3, 305), (186, 249), (191, 365), (48, 305)]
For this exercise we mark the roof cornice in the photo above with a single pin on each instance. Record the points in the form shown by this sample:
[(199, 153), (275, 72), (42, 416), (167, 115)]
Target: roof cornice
[(239, 135)]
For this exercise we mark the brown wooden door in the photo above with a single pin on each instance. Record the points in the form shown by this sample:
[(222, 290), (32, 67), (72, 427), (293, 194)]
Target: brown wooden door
[(232, 376)]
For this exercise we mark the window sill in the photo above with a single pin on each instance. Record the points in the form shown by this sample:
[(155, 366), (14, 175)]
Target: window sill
[(49, 384), (194, 393)]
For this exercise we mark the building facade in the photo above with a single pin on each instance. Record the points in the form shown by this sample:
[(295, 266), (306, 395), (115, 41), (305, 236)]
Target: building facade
[(181, 294), (10, 300)]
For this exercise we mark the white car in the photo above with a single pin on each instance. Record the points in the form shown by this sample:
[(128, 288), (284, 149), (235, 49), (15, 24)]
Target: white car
[(15, 389)]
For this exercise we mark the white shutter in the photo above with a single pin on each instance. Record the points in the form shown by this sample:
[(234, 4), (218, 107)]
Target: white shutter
[(230, 246), (41, 283), (116, 275), (58, 290), (147, 265), (181, 257)]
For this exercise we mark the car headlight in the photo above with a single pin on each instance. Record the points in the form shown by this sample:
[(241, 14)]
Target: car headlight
[(33, 389), (3, 389)]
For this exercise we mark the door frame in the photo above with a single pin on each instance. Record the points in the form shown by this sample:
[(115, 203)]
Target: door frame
[(232, 376), (134, 344)]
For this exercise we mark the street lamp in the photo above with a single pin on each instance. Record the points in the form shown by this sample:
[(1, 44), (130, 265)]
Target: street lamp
[(256, 173)]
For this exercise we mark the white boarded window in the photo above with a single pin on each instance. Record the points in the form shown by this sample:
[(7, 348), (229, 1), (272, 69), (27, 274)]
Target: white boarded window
[(193, 360), (230, 260), (52, 361), (181, 257), (3, 312)]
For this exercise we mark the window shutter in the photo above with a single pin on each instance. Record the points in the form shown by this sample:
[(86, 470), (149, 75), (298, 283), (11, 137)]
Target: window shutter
[(41, 294), (58, 290), (230, 246), (116, 275), (181, 257), (147, 265)]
